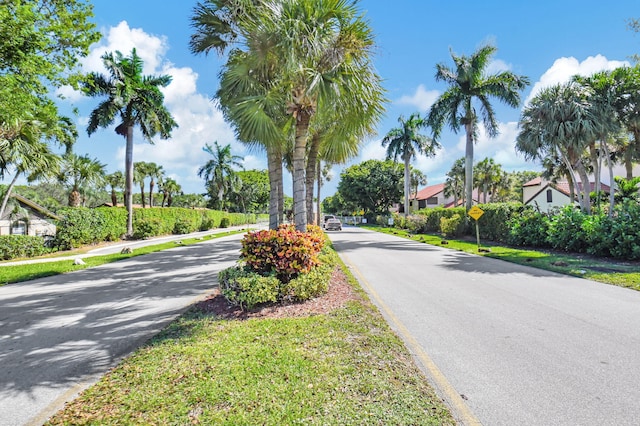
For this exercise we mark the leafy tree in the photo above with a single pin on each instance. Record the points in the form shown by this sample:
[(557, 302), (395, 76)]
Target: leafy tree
[(469, 83), (628, 189), (253, 193), (154, 172), (454, 183), (559, 120), (305, 57), (190, 201), (218, 173), (133, 99), (169, 188), (372, 185), (80, 174), (115, 181), (406, 142)]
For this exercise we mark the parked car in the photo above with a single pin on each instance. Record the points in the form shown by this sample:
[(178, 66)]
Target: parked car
[(325, 218), (333, 224)]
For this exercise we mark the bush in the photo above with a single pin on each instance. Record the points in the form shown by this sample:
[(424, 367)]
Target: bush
[(433, 216), (313, 283), (224, 222), (284, 252), (207, 224), (184, 226), (494, 223), (565, 230), (597, 234), (79, 226), (529, 228), (146, 228), (451, 227), (14, 246), (243, 287), (625, 232)]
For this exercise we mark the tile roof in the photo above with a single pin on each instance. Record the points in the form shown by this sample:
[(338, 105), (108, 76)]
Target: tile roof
[(429, 192)]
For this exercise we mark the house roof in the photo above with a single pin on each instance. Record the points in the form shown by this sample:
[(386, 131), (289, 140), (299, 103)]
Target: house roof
[(563, 187), (429, 192), (533, 182), (35, 206)]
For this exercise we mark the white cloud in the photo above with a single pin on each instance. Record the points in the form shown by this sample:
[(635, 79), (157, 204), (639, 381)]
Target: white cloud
[(497, 66), (421, 99), (564, 68)]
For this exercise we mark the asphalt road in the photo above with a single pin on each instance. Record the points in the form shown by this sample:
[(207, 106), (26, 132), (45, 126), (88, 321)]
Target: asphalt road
[(59, 334), (506, 344)]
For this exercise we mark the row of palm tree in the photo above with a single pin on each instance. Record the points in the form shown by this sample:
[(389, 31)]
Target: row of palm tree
[(576, 126), (298, 80)]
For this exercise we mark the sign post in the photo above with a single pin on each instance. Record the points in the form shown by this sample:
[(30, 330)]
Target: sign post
[(476, 212)]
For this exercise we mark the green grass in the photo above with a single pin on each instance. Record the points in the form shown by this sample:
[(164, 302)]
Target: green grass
[(18, 273), (603, 270), (342, 368)]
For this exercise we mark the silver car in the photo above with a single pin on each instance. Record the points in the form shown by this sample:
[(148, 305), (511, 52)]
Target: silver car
[(333, 224)]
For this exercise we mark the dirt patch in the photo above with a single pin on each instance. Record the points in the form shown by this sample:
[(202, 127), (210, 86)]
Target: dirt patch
[(339, 293)]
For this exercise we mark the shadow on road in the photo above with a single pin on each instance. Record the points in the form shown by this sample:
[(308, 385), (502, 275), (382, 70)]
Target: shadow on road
[(56, 330)]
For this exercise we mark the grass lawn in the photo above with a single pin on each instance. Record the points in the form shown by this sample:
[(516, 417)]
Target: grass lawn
[(623, 274), (342, 368), (18, 273)]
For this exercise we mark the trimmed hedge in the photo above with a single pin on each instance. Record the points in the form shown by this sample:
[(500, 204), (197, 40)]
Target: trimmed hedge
[(14, 246)]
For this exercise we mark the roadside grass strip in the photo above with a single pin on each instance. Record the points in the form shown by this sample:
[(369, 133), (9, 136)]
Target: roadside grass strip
[(606, 271), (18, 273), (342, 368)]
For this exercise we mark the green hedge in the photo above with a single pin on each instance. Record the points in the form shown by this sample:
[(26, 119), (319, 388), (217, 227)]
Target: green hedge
[(14, 246)]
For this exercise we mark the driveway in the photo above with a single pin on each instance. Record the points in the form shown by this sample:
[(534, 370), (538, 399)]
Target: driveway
[(505, 344), (59, 334)]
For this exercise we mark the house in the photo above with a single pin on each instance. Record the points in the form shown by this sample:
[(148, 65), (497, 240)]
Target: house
[(29, 219), (546, 195), (433, 196)]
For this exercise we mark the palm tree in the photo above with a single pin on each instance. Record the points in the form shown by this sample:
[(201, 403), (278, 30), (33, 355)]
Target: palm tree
[(487, 174), (139, 175), (115, 181), (406, 142), (560, 121), (79, 174), (169, 188), (218, 172), (470, 84), (154, 172), (134, 100), (454, 183), (317, 57), (418, 179)]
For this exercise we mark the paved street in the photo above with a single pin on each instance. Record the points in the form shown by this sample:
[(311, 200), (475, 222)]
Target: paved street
[(506, 344), (59, 334)]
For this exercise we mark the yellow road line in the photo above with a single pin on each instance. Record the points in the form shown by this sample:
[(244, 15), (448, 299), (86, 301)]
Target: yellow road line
[(460, 409)]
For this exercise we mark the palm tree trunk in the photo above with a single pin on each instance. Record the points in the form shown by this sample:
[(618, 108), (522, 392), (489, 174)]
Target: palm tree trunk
[(319, 178), (274, 161), (114, 197), (144, 203), (612, 183), (299, 155), (7, 194), (310, 177), (151, 185), (74, 197), (468, 166), (407, 183), (128, 180), (586, 186)]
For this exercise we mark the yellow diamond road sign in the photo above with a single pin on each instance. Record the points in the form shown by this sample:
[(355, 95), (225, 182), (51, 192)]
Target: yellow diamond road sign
[(475, 212)]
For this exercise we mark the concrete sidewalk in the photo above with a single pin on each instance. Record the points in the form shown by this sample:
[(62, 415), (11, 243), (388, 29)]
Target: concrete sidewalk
[(116, 247)]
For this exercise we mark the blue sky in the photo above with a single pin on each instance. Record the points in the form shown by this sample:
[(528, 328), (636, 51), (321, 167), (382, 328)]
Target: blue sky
[(548, 41)]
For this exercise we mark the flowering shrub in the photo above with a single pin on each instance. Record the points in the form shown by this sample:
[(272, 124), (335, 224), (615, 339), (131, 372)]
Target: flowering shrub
[(284, 252)]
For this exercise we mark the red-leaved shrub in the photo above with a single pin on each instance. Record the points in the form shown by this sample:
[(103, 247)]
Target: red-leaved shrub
[(284, 252)]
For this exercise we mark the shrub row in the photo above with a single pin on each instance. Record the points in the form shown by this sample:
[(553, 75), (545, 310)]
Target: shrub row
[(571, 230), (81, 226), (14, 246), (278, 265)]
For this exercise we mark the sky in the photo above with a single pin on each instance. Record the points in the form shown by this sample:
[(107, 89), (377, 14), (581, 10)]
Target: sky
[(548, 41)]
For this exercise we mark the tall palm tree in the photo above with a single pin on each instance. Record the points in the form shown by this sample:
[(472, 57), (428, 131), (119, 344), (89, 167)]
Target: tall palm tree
[(454, 183), (405, 142), (154, 172), (134, 100), (487, 174), (318, 57), (80, 174), (418, 179), (469, 88), (139, 175), (559, 120), (218, 172), (169, 188), (115, 181)]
